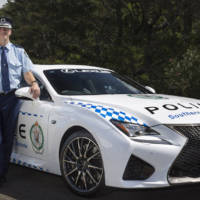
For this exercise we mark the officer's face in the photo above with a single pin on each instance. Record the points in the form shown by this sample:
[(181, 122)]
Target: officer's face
[(5, 33)]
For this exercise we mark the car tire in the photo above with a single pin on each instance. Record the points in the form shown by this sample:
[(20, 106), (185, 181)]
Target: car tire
[(81, 164)]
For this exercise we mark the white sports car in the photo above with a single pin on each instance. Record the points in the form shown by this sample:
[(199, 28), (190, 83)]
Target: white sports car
[(96, 128)]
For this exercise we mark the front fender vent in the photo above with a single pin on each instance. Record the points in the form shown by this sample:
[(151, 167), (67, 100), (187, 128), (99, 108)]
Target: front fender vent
[(137, 169)]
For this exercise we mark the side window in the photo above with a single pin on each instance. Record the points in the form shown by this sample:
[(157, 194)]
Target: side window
[(44, 94)]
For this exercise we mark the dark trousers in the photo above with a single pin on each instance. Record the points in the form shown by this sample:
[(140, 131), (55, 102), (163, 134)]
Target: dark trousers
[(9, 109)]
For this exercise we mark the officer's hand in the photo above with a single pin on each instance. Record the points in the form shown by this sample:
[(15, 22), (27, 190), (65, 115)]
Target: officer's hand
[(35, 90)]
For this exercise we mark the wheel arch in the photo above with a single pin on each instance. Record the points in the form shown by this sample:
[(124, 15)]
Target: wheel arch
[(69, 132)]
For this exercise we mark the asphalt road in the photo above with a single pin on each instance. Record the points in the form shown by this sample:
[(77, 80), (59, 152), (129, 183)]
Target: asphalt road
[(27, 184)]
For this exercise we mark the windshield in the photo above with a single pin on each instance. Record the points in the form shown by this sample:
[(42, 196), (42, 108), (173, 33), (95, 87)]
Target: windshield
[(91, 82)]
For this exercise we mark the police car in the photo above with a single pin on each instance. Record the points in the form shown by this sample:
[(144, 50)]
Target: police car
[(96, 128)]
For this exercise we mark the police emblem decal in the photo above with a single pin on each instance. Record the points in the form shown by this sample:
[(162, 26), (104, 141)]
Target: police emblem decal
[(3, 20), (37, 138)]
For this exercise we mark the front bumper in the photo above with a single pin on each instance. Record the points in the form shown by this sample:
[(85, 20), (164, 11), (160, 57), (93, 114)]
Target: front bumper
[(159, 156)]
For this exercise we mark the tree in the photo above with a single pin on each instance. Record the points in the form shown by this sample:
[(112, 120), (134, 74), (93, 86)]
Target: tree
[(134, 37)]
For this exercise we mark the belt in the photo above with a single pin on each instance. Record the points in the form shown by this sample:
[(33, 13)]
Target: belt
[(7, 93)]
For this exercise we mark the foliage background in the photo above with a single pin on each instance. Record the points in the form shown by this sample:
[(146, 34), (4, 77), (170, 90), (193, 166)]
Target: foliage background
[(154, 42)]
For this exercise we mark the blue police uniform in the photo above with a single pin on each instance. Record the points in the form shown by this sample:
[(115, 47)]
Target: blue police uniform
[(17, 62)]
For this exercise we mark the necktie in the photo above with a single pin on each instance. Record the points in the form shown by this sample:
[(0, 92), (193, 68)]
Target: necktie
[(4, 71)]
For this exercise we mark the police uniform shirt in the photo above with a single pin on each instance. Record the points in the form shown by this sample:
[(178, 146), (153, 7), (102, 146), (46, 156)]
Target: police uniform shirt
[(18, 64)]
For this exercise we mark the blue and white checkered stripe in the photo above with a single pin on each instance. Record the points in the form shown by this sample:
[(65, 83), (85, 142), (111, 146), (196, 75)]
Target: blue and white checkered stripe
[(108, 112), (25, 164), (30, 114)]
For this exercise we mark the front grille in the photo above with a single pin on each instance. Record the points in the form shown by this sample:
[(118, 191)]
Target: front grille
[(137, 169), (187, 163)]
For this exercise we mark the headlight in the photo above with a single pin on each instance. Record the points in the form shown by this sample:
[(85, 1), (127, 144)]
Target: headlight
[(140, 133), (133, 130)]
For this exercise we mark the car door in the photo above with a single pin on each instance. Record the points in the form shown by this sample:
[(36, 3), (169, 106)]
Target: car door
[(31, 137)]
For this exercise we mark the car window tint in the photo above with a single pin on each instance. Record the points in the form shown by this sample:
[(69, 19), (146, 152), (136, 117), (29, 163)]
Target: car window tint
[(44, 94), (91, 83)]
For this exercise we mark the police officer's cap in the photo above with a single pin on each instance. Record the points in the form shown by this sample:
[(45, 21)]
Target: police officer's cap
[(5, 22)]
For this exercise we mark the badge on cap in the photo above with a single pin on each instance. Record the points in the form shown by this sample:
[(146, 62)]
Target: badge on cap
[(5, 22)]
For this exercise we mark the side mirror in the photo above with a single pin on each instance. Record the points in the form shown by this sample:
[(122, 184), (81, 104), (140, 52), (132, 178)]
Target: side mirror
[(24, 93), (150, 89)]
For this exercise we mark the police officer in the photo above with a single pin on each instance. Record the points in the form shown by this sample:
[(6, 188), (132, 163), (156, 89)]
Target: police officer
[(15, 63)]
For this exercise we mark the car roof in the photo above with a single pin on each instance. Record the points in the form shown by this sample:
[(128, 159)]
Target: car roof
[(38, 67)]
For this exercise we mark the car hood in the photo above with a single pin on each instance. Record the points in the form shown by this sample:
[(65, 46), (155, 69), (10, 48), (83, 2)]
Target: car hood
[(151, 109)]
